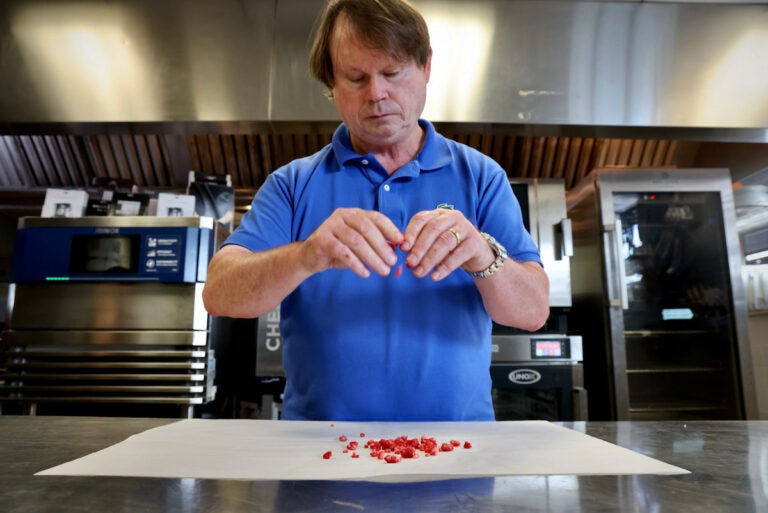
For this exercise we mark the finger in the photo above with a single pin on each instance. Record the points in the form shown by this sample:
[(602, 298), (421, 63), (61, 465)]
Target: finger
[(441, 253), (367, 235), (432, 241), (386, 227), (454, 260), (326, 250), (359, 246), (456, 234), (344, 257), (416, 225)]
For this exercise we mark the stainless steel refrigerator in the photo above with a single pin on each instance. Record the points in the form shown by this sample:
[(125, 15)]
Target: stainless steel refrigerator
[(658, 296)]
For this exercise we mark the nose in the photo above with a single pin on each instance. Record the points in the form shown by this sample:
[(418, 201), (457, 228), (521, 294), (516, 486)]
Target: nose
[(377, 88)]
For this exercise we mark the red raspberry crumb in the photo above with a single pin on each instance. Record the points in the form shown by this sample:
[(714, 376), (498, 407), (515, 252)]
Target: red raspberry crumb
[(327, 455), (394, 450)]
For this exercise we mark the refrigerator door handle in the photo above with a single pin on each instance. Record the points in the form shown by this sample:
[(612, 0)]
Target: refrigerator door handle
[(616, 272), (622, 268)]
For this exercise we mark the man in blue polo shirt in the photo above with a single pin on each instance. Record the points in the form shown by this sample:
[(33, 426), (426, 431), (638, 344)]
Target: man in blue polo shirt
[(390, 250)]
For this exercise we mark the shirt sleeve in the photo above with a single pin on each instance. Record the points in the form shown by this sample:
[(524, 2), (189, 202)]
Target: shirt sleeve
[(499, 214), (267, 224)]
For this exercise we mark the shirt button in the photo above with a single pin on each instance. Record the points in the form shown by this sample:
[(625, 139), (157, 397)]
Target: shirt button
[(365, 162), (386, 187)]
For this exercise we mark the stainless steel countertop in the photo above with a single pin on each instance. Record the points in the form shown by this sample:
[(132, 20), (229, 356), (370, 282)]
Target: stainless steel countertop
[(728, 460)]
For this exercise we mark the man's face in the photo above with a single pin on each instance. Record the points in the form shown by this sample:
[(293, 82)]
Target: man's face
[(378, 97)]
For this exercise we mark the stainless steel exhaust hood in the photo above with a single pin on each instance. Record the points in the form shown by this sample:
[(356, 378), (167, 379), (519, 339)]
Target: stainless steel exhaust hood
[(676, 70), (147, 90)]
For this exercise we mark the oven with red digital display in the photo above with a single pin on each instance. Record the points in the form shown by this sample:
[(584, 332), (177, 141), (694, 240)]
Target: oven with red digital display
[(538, 377)]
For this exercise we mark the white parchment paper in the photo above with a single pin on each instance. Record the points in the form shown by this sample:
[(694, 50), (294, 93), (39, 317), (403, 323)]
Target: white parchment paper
[(292, 450)]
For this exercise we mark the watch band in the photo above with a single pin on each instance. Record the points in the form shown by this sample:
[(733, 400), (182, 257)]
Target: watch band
[(501, 257)]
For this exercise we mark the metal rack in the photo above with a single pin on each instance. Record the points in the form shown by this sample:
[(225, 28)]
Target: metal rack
[(160, 367)]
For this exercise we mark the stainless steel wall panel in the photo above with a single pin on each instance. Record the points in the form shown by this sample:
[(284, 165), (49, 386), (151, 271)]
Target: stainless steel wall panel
[(224, 63), (597, 63), (296, 96), (135, 61)]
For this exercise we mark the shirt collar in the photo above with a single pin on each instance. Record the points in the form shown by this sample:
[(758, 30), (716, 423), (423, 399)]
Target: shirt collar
[(434, 153)]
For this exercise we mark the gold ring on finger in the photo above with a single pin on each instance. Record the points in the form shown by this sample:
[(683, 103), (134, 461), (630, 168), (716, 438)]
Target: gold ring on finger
[(455, 234)]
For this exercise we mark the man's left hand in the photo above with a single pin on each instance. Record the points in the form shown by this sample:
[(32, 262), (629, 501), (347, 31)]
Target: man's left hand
[(442, 240)]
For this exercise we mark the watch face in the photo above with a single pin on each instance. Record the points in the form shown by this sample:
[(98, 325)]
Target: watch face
[(501, 257), (500, 250)]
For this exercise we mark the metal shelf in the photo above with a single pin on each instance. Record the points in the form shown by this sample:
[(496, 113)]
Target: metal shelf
[(55, 391), (106, 365), (90, 353), (671, 369), (30, 377)]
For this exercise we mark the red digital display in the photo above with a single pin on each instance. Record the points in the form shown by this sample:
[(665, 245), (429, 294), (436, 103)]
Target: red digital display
[(548, 348)]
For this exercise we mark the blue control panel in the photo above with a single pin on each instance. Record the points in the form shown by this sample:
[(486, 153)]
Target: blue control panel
[(109, 253)]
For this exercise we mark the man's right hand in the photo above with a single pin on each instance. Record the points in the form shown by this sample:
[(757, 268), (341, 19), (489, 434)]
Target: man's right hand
[(355, 239)]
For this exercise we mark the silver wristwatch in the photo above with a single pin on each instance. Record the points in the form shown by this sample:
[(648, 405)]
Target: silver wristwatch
[(501, 257)]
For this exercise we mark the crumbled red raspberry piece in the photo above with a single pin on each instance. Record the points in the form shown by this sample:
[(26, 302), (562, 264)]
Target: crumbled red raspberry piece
[(393, 450)]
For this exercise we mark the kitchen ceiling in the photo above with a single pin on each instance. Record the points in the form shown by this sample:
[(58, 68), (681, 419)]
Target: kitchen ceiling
[(163, 161), (146, 160)]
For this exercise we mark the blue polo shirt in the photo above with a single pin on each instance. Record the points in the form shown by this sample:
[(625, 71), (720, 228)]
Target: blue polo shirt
[(385, 348)]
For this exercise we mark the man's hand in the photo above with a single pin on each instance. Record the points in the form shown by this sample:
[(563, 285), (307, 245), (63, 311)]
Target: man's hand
[(442, 241), (355, 239)]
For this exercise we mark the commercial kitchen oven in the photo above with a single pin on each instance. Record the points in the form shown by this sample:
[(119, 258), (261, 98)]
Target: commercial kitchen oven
[(658, 295), (109, 310)]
